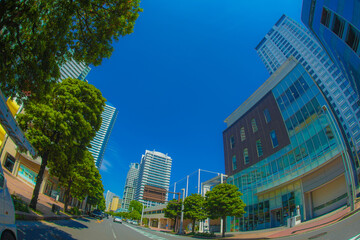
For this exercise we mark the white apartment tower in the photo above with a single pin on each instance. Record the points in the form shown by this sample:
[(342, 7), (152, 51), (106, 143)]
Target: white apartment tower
[(288, 38), (99, 143), (154, 173), (130, 185), (74, 69)]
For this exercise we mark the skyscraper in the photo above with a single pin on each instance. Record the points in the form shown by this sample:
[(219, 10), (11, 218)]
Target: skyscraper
[(287, 38), (99, 143), (74, 69), (108, 198), (130, 185), (154, 178), (335, 23)]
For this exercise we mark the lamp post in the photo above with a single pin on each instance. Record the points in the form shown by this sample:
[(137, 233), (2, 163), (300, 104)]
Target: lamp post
[(182, 212)]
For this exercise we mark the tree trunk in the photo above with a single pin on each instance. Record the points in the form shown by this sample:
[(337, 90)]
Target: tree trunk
[(193, 226), (39, 180), (224, 225), (67, 196), (175, 224)]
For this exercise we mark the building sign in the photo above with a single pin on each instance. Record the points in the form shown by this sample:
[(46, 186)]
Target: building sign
[(154, 194), (27, 174)]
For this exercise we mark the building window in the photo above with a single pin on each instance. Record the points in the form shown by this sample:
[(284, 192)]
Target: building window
[(232, 142), (338, 26), (253, 125), (274, 139), (352, 38), (267, 115), (259, 148), (325, 17), (234, 162), (242, 134), (246, 156)]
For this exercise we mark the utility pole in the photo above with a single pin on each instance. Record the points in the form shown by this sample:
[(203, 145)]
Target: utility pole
[(182, 213)]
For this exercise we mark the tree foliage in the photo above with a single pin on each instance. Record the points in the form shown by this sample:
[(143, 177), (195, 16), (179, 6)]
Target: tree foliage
[(66, 120), (194, 208), (224, 200), (173, 210), (136, 206), (36, 36)]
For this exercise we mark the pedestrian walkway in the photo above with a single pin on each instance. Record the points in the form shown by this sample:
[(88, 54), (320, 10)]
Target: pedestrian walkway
[(24, 191), (310, 225)]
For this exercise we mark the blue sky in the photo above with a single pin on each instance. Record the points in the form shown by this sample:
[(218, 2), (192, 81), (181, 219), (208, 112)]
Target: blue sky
[(186, 67)]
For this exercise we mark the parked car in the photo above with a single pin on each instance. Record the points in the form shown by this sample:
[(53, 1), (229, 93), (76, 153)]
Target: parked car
[(117, 219), (97, 214), (7, 211)]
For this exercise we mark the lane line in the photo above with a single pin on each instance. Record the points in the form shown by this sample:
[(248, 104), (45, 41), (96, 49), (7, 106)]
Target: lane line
[(355, 238), (113, 232), (146, 234)]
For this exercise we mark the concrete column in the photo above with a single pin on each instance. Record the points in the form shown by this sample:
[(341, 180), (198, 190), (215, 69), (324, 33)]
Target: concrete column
[(16, 165), (44, 182)]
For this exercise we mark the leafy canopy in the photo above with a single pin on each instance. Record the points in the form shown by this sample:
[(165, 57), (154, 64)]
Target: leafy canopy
[(173, 209), (38, 36), (136, 206), (194, 207), (224, 200)]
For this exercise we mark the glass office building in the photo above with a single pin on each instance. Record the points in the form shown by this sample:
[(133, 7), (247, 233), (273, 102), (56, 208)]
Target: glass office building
[(336, 25), (74, 69), (283, 150), (289, 38)]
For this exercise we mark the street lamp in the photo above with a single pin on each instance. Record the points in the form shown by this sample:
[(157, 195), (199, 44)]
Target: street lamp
[(182, 212)]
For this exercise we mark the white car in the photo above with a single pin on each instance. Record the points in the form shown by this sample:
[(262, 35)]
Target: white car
[(7, 212), (117, 219)]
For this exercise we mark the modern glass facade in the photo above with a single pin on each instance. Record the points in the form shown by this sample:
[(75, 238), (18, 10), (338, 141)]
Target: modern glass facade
[(288, 38), (274, 186), (335, 23), (74, 69), (155, 170), (99, 143), (132, 179)]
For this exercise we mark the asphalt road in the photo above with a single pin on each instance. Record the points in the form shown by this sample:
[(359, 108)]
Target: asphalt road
[(349, 228), (88, 228)]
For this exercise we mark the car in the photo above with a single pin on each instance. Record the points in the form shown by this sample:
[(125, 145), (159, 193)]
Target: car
[(8, 229), (97, 214), (117, 219)]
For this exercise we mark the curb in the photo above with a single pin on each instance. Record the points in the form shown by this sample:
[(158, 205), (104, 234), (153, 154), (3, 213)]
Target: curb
[(31, 217)]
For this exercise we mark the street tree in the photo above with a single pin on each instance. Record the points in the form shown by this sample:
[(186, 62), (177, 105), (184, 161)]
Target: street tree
[(68, 117), (173, 210), (136, 206), (194, 208), (38, 36), (224, 200)]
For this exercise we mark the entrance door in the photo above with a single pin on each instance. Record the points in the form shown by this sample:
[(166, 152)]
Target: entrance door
[(276, 217)]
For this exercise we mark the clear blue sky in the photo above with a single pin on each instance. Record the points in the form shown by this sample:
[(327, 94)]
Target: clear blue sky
[(186, 67)]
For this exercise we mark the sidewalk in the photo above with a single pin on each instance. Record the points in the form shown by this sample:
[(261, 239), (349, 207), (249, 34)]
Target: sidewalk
[(307, 226), (44, 205)]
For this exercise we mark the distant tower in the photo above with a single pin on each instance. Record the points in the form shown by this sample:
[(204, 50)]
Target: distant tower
[(108, 198), (98, 144), (74, 69), (130, 185), (154, 178), (289, 38)]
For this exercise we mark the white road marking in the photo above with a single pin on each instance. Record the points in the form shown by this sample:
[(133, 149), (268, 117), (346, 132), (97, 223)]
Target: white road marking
[(146, 234), (355, 238), (113, 232)]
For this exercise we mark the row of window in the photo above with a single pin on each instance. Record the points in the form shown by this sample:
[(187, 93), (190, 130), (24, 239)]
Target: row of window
[(338, 26), (154, 212), (259, 150), (253, 126)]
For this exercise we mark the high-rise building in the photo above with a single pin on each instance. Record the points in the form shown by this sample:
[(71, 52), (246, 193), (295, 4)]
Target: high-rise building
[(284, 152), (154, 178), (99, 143), (130, 185), (115, 204), (74, 69), (108, 198), (336, 25), (288, 38)]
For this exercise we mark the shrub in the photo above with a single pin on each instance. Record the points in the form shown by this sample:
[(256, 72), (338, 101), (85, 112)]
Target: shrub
[(19, 204), (75, 211)]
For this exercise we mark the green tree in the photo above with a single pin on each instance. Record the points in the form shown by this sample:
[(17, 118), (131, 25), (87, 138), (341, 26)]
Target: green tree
[(134, 215), (224, 200), (36, 36), (68, 117), (173, 210), (135, 206), (194, 208)]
